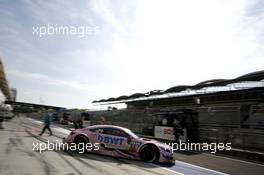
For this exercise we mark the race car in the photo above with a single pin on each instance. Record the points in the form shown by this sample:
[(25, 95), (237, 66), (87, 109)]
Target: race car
[(121, 142)]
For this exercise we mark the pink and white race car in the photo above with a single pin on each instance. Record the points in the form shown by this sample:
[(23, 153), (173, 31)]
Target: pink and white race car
[(121, 142)]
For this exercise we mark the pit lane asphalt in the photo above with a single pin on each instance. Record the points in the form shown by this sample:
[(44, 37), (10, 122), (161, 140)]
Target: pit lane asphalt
[(17, 156)]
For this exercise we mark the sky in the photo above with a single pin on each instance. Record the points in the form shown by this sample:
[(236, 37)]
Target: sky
[(136, 46)]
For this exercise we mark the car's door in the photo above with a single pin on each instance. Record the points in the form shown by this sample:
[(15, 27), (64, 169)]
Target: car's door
[(114, 138), (96, 134)]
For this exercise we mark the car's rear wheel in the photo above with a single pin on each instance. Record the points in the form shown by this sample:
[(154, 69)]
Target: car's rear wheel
[(81, 142), (149, 153)]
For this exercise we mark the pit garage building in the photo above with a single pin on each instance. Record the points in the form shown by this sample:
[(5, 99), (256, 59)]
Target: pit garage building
[(220, 110)]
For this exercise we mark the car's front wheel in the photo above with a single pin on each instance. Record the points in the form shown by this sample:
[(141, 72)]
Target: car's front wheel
[(81, 142), (149, 153)]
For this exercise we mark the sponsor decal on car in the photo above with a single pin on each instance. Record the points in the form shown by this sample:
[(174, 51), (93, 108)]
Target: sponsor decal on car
[(134, 145), (110, 140)]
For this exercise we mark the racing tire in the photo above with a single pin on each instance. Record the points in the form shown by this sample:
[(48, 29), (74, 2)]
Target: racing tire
[(149, 153), (81, 142)]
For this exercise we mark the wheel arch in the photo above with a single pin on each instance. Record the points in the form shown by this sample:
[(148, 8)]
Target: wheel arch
[(80, 135), (157, 150)]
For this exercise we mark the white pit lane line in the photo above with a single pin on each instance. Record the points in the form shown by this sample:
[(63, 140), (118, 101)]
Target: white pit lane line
[(193, 169), (179, 168)]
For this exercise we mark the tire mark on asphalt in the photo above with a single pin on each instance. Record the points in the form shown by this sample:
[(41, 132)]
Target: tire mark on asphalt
[(17, 142), (70, 153), (48, 168), (62, 157), (73, 155)]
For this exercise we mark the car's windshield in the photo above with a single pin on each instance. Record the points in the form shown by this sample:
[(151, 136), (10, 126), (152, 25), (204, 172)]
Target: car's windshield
[(131, 134)]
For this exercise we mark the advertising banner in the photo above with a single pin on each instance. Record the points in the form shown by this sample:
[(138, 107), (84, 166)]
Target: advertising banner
[(164, 132)]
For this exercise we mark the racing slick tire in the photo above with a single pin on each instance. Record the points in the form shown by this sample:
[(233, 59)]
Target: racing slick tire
[(81, 142), (149, 153)]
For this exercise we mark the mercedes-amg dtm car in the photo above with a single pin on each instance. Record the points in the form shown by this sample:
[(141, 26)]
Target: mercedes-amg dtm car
[(121, 142)]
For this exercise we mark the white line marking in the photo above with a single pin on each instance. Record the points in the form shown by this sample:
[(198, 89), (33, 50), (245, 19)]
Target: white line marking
[(62, 130), (228, 158), (199, 167), (133, 163), (168, 169)]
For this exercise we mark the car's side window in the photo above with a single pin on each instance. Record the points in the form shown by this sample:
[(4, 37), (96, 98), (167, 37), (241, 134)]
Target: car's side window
[(121, 133), (108, 131), (115, 132), (97, 130)]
